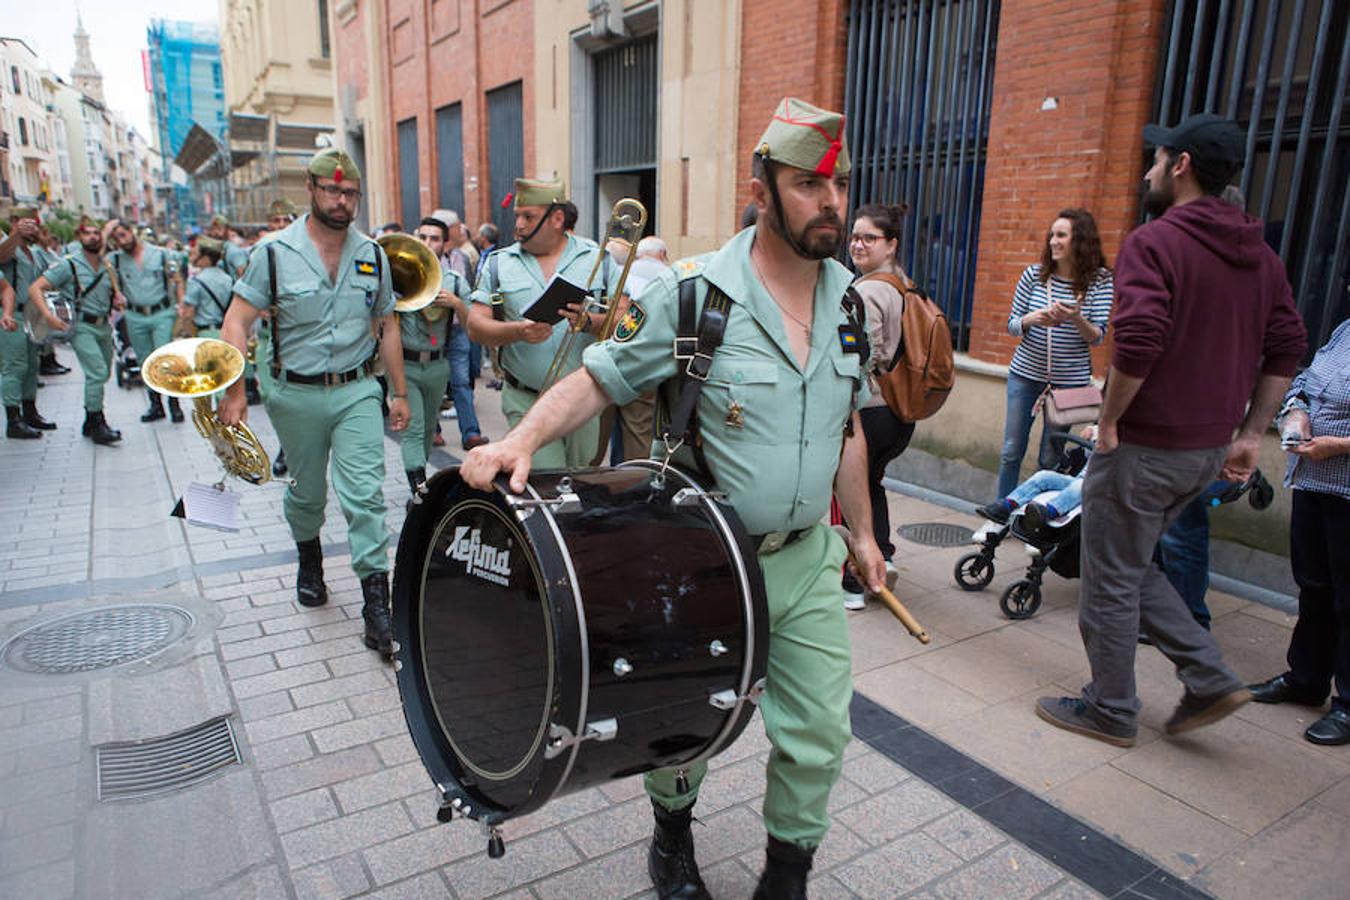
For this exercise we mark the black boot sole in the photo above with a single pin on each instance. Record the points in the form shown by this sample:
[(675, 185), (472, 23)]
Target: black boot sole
[(379, 646), (15, 434), (303, 600)]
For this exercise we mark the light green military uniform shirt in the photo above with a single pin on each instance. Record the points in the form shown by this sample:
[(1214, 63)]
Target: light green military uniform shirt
[(22, 270), (772, 431), (324, 326), (208, 293), (95, 290), (233, 259), (148, 284), (420, 335), (521, 281)]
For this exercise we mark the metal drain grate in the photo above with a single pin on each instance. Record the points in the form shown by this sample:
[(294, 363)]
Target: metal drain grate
[(144, 768), (98, 639), (936, 534)]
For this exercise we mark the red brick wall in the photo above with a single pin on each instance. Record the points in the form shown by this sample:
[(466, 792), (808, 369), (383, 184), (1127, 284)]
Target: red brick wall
[(791, 47), (1098, 59), (451, 51)]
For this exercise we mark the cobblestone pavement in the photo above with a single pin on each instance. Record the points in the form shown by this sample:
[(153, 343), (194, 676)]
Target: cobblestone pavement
[(946, 792)]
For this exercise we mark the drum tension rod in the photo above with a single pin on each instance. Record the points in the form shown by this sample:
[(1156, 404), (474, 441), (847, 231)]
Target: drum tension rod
[(560, 737), (727, 699)]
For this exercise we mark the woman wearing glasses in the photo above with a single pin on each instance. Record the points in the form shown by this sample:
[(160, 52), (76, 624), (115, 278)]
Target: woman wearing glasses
[(1060, 309), (873, 246)]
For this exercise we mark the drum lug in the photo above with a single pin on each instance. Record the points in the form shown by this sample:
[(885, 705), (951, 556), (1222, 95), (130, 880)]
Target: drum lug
[(622, 667), (564, 503), (688, 496), (717, 648), (727, 699), (560, 737)]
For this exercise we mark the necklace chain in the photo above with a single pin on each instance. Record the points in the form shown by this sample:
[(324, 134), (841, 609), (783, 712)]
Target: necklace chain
[(806, 326)]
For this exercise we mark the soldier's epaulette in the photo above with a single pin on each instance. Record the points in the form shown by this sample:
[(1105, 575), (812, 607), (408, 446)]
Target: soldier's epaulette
[(691, 267)]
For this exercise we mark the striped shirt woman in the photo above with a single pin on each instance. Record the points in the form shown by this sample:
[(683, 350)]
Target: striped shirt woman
[(1069, 353)]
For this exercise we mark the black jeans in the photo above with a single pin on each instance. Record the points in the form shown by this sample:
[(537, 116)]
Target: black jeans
[(1320, 647), (887, 437)]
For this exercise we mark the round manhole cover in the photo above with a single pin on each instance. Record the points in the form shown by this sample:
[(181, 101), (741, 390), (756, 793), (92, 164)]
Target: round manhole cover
[(98, 639), (936, 534)]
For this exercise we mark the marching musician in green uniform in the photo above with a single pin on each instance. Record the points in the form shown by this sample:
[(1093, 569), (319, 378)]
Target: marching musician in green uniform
[(426, 357), (147, 276), (208, 293), (771, 422), (234, 258), (514, 277), (83, 279), (280, 214), (23, 261), (329, 293)]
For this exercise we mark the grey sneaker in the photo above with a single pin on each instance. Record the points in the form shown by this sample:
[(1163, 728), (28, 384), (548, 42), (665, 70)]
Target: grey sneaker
[(854, 600), (1196, 712), (1071, 714)]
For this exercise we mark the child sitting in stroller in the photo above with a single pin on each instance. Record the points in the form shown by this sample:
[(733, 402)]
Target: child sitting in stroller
[(1038, 513)]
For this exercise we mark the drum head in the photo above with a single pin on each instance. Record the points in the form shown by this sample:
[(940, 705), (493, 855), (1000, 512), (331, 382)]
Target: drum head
[(480, 685)]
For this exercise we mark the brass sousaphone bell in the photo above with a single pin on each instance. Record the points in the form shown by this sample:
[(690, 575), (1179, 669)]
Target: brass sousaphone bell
[(416, 274), (197, 369)]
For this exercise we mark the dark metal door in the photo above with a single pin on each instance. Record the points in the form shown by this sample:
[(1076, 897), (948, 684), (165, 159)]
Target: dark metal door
[(506, 152), (450, 158), (918, 87), (625, 123), (409, 195), (1281, 70)]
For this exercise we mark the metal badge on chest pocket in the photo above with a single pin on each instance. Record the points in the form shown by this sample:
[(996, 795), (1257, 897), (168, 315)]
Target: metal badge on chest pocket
[(743, 391)]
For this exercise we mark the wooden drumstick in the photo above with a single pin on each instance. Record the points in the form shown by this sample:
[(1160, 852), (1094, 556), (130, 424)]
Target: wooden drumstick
[(889, 599)]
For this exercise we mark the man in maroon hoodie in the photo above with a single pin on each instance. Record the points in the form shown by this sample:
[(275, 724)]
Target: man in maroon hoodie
[(1206, 341)]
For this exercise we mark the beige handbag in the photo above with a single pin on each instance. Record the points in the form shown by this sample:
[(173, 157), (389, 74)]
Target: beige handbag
[(1066, 407)]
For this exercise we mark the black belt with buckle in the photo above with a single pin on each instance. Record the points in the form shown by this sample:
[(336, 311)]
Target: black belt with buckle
[(93, 320), (516, 383), (151, 310), (773, 541), (328, 379), (422, 356)]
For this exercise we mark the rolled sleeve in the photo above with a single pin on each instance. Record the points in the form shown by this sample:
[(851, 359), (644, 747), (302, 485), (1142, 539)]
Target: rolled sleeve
[(58, 275), (254, 286), (384, 297), (192, 296), (626, 369)]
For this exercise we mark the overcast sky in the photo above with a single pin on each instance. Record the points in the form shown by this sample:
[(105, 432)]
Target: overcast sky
[(116, 39)]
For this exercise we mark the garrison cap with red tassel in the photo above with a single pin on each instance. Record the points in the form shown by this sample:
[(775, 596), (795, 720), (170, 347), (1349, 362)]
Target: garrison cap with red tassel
[(331, 162), (805, 137)]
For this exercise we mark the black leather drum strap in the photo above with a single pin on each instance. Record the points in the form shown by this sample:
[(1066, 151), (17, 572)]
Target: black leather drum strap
[(275, 313), (695, 347)]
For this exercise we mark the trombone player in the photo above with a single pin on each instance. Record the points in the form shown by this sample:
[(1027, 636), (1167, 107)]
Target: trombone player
[(328, 289), (514, 277)]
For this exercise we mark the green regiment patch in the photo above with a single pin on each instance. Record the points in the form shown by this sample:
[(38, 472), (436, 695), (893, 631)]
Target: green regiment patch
[(631, 323)]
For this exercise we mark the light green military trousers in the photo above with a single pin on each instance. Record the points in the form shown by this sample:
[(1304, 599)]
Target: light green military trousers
[(94, 349), (426, 387), (806, 692), (316, 424), (576, 449), (18, 365), (149, 332)]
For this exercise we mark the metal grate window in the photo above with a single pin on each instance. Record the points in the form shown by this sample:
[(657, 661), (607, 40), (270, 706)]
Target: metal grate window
[(506, 151), (450, 157), (409, 181), (1281, 70), (918, 89), (625, 119)]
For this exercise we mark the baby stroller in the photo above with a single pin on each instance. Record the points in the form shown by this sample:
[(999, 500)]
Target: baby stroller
[(128, 366), (1055, 546)]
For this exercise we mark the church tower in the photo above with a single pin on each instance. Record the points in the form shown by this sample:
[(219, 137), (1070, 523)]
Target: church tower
[(86, 76)]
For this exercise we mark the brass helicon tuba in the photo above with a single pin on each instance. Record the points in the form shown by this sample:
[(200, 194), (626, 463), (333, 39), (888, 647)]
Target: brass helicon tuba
[(197, 368), (416, 274)]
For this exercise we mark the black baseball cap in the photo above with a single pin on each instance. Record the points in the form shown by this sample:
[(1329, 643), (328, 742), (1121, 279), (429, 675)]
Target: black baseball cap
[(1207, 136)]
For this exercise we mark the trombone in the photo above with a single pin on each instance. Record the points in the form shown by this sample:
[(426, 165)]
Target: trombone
[(626, 221)]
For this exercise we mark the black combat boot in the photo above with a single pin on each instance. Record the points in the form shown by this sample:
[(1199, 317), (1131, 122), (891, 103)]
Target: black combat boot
[(375, 612), (34, 418), (98, 430), (251, 393), (785, 869), (175, 411), (279, 464), (309, 587), (17, 428), (670, 861), (155, 411), (48, 364), (417, 481)]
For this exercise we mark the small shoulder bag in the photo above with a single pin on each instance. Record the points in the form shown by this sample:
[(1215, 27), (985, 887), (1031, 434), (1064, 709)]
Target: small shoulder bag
[(1066, 407)]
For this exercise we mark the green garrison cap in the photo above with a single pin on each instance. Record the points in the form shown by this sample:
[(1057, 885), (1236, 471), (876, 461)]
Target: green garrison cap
[(218, 219), (806, 137), (282, 207), (331, 162), (532, 192), (210, 244)]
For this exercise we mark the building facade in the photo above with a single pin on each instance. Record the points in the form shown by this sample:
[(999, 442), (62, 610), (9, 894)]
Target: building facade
[(34, 172), (279, 95)]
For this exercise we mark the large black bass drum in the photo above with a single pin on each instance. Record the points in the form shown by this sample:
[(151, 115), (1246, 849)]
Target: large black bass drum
[(603, 623)]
